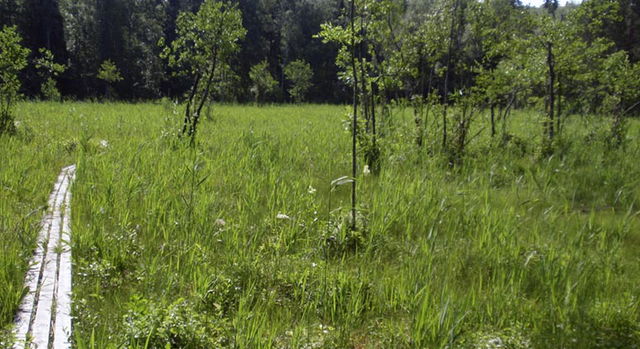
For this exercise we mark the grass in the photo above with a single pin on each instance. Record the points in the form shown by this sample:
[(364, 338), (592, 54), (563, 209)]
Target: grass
[(241, 242), (30, 163)]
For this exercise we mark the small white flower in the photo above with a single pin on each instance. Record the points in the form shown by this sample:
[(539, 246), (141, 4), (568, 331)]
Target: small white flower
[(495, 343), (311, 190), (366, 171), (104, 143), (313, 265), (282, 216), (221, 222)]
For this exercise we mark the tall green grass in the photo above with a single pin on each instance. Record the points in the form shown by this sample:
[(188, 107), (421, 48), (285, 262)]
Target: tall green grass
[(242, 242), (30, 161)]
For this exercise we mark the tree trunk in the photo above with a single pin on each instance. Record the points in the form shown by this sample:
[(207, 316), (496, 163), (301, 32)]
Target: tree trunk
[(203, 98), (187, 113), (559, 112), (551, 92), (493, 120), (446, 78), (354, 133), (373, 156)]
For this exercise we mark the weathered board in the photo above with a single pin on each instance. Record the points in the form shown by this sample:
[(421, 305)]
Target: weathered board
[(44, 317)]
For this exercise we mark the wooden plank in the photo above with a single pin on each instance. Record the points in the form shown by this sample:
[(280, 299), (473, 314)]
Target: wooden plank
[(44, 316), (62, 329)]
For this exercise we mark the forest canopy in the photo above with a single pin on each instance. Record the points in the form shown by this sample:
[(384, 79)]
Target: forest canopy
[(411, 46)]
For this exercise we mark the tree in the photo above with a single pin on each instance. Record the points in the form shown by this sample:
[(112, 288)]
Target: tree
[(262, 81), (110, 74), (499, 26), (348, 38), (621, 82), (49, 70), (299, 73), (13, 58), (42, 27), (204, 42), (10, 11), (81, 34)]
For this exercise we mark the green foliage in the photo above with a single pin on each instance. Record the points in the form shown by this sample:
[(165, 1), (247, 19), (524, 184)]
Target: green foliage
[(205, 38), (299, 73), (49, 70), (263, 83), (620, 86), (50, 91), (373, 36), (178, 325), (109, 72), (205, 42), (619, 83), (228, 85), (13, 58)]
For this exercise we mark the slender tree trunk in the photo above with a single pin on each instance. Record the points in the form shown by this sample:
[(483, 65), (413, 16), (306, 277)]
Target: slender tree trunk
[(446, 77), (552, 76), (187, 113), (423, 73), (374, 90), (493, 120), (504, 113), (426, 100), (354, 134), (417, 116), (203, 99), (559, 112), (207, 88), (374, 152), (419, 105), (363, 89)]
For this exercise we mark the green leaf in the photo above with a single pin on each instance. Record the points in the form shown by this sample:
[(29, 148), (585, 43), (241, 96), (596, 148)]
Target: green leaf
[(341, 181)]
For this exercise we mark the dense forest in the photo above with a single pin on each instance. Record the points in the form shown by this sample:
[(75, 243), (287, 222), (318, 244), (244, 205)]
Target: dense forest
[(412, 47)]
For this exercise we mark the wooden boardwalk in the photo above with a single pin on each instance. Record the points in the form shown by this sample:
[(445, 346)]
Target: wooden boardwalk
[(44, 317)]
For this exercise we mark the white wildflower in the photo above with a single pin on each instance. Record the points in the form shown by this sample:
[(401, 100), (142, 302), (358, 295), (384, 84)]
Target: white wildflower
[(282, 216), (366, 171), (104, 144), (311, 190), (221, 222)]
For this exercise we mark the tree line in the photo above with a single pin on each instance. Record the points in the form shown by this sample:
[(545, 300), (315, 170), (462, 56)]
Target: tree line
[(83, 35), (423, 44)]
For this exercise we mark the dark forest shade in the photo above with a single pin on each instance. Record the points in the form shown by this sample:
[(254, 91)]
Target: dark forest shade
[(85, 33)]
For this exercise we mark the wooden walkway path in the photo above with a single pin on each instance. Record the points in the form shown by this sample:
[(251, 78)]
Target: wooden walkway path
[(44, 317)]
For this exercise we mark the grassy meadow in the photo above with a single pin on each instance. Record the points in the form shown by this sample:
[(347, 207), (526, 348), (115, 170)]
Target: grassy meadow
[(243, 242)]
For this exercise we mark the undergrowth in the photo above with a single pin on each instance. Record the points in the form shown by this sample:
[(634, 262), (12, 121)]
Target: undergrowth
[(243, 241)]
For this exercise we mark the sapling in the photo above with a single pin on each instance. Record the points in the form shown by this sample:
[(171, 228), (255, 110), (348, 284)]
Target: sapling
[(205, 42), (49, 71), (13, 58), (262, 80), (110, 74), (299, 73)]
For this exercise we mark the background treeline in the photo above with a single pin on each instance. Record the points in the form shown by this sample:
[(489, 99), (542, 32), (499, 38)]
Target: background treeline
[(426, 42)]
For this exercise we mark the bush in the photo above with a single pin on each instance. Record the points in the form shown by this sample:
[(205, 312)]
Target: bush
[(263, 82), (180, 325), (13, 58), (299, 73)]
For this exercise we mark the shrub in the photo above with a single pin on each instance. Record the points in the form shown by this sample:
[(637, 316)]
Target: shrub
[(13, 58)]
